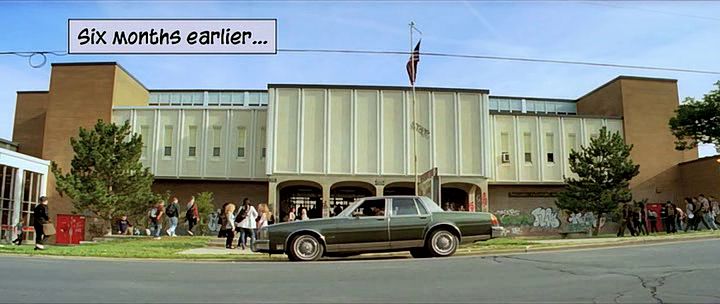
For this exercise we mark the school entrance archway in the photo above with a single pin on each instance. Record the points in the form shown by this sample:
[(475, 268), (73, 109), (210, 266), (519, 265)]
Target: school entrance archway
[(455, 196), (299, 195), (343, 194), (399, 188)]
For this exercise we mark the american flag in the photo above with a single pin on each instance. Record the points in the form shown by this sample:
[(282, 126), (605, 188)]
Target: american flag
[(412, 63)]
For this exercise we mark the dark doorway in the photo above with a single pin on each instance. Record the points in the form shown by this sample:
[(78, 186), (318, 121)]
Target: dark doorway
[(454, 199), (298, 197)]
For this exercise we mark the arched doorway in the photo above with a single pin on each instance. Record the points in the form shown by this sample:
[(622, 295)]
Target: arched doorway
[(399, 188), (298, 195), (343, 194), (455, 197)]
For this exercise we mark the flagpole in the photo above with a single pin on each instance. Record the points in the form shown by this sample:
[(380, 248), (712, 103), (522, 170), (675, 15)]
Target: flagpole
[(414, 123)]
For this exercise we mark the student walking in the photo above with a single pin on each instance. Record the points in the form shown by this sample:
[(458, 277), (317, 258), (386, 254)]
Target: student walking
[(652, 220), (639, 219), (192, 215), (266, 217), (41, 216), (705, 208), (626, 221), (690, 212), (19, 233), (248, 224), (156, 214), (172, 211), (227, 224), (669, 214)]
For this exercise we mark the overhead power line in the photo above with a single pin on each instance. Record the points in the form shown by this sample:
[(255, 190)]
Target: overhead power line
[(30, 54)]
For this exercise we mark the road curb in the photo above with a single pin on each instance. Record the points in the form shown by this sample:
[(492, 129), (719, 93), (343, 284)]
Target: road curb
[(530, 249)]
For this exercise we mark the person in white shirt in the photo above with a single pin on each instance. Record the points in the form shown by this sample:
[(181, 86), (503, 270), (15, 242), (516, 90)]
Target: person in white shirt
[(303, 214), (248, 224)]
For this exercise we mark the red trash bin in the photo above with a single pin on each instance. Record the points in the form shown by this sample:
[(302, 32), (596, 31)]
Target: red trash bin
[(70, 229)]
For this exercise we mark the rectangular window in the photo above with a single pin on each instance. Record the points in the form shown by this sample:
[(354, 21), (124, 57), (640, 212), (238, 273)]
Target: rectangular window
[(241, 141), (504, 148), (550, 147), (262, 142), (192, 141), (145, 136), (168, 140), (527, 147), (216, 140)]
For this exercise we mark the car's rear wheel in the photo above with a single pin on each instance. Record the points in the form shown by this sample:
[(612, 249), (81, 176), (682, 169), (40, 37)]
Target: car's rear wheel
[(305, 247), (442, 243), (419, 253)]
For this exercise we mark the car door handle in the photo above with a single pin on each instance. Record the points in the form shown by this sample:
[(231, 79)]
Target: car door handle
[(380, 219), (423, 217)]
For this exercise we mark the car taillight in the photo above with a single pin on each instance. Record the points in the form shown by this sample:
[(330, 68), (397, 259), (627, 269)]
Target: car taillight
[(494, 220)]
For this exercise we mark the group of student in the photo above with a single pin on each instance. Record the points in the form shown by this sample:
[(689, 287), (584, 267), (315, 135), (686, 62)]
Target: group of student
[(172, 212), (244, 223), (698, 210)]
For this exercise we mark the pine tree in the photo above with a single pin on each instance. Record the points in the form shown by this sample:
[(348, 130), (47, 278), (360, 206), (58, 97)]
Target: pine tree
[(604, 170), (106, 176)]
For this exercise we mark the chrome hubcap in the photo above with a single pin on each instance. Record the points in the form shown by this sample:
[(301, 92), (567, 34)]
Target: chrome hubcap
[(306, 247), (443, 242)]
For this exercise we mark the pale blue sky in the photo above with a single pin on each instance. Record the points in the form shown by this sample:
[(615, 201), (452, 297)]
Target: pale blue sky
[(670, 34)]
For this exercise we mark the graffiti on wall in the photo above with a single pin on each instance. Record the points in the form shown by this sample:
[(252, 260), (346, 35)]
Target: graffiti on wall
[(212, 223), (546, 218), (583, 221), (513, 217)]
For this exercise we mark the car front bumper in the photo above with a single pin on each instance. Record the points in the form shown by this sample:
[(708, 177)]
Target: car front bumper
[(265, 247)]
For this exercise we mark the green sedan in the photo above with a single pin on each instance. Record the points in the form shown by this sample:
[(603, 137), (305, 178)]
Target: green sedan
[(379, 224)]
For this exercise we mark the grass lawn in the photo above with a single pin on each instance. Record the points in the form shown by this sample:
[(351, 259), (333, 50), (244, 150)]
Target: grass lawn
[(167, 248)]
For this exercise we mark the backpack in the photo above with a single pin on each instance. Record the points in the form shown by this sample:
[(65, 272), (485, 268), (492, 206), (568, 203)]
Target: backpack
[(153, 213)]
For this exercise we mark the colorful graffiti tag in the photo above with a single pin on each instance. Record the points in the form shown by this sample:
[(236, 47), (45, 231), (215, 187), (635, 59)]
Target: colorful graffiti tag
[(583, 221), (513, 217)]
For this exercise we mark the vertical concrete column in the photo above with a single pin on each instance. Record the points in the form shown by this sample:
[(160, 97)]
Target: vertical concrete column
[(379, 190), (326, 199), (272, 199), (17, 197)]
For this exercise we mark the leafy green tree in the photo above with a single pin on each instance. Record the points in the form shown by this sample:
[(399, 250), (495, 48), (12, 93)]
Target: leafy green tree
[(604, 170), (697, 121), (204, 202), (106, 176)]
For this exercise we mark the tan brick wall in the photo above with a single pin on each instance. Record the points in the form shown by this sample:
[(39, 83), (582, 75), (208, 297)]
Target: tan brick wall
[(223, 191), (128, 91), (29, 125), (603, 101), (701, 176), (79, 96)]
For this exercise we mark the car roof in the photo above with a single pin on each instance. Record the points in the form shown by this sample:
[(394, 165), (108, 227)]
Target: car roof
[(389, 196)]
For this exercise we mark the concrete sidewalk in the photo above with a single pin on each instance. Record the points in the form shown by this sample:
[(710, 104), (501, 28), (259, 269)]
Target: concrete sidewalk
[(218, 251)]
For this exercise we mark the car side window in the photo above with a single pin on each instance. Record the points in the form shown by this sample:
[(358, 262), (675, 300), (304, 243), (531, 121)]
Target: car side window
[(374, 207), (420, 207), (404, 206)]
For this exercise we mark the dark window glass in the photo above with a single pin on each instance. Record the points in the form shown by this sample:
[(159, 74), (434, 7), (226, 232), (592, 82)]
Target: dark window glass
[(168, 151), (191, 151), (216, 151)]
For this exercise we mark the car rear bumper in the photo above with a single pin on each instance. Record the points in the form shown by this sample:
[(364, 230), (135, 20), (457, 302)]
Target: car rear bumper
[(497, 231)]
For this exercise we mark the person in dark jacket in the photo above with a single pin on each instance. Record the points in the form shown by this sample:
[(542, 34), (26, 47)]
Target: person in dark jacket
[(192, 215), (639, 219), (669, 214), (173, 212), (40, 216)]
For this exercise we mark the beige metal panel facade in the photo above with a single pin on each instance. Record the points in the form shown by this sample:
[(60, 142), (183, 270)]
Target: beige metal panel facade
[(614, 125), (166, 148), (445, 129), (572, 140), (120, 117), (550, 157), (505, 157), (527, 148), (191, 148), (260, 139), (592, 129), (472, 150), (217, 147), (424, 143), (312, 157), (287, 132), (394, 131), (144, 124), (241, 150), (366, 132)]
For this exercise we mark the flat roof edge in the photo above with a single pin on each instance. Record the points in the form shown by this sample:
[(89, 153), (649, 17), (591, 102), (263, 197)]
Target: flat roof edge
[(625, 77), (375, 87)]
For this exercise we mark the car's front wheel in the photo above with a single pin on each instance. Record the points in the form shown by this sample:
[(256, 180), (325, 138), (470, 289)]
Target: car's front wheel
[(305, 247), (442, 243)]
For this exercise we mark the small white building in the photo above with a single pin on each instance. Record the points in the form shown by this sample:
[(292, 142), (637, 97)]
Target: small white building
[(23, 179)]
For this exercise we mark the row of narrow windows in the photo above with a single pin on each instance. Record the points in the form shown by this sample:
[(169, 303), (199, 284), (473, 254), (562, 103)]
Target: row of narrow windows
[(571, 142), (215, 140)]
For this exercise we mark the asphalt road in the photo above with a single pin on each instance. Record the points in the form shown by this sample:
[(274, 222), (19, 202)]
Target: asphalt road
[(668, 273)]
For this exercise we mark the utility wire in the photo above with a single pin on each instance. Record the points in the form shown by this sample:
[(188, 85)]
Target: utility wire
[(30, 54)]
